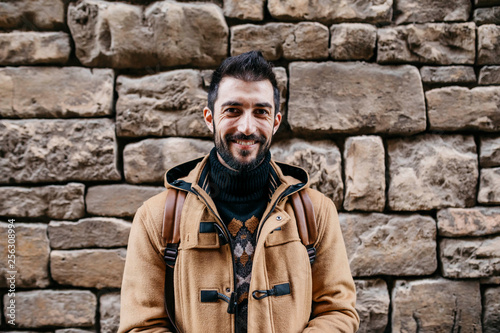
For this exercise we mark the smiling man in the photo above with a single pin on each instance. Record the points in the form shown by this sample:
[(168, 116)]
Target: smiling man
[(240, 265)]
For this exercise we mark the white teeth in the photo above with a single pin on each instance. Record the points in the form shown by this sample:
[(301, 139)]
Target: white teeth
[(245, 143)]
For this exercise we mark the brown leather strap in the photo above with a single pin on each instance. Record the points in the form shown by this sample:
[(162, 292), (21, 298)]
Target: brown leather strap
[(181, 196), (304, 215), (169, 216), (310, 216), (300, 218)]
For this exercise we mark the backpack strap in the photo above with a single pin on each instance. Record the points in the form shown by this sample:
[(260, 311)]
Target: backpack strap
[(306, 221)]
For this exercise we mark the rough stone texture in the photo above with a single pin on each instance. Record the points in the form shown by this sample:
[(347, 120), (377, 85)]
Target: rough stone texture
[(164, 104), (321, 159), (489, 75), (487, 16), (470, 258), (457, 108), (330, 11), (73, 330), (448, 75), (252, 10), (89, 232), (306, 40), (436, 305), (490, 280), (34, 14), (57, 150), (146, 161), (389, 244), (110, 312), (372, 304), (433, 43), (352, 41), (490, 152), (31, 262), (431, 171), (364, 173), (53, 201), (460, 222), (491, 319), (350, 97), (118, 200), (37, 48), (95, 268), (119, 35), (282, 81), (489, 186), (421, 11), (42, 308), (488, 39), (49, 92)]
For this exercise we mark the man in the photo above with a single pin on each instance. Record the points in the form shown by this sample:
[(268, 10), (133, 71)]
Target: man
[(247, 195)]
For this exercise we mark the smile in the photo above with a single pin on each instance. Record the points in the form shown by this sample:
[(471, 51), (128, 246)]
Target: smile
[(245, 143)]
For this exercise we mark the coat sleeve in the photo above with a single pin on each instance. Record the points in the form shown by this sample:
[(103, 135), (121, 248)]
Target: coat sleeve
[(334, 292), (142, 293)]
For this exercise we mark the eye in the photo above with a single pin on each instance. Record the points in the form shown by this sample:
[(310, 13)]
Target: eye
[(231, 111), (263, 112)]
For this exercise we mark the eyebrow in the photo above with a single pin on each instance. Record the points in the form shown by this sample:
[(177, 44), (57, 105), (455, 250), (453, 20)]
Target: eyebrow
[(259, 105)]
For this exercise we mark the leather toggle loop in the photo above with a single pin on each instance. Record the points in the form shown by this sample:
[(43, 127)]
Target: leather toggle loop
[(278, 290)]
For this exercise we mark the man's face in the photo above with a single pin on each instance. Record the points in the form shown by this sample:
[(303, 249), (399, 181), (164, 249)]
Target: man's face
[(243, 122)]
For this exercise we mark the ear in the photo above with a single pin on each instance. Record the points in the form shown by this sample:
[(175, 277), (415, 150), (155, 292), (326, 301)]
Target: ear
[(208, 116), (277, 122)]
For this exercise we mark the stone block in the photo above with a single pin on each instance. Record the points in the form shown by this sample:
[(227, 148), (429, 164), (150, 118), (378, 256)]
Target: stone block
[(305, 40), (41, 308), (96, 268), (109, 307), (32, 48), (358, 98), (489, 186), (53, 92), (489, 75), (30, 261), (146, 161), (432, 43), (321, 159), (487, 15), (436, 305), (389, 244), (448, 75), (97, 231), (33, 14), (332, 11), (432, 171), (164, 33), (252, 10), (372, 304), (490, 152), (364, 173), (422, 11), (282, 81), (491, 318), (53, 201), (118, 200), (477, 221), (352, 41), (488, 48), (164, 104)]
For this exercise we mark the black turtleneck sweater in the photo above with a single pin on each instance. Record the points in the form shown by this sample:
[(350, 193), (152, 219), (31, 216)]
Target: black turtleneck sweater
[(241, 199)]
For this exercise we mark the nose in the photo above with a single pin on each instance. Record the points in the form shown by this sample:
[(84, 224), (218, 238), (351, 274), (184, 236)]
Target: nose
[(246, 123)]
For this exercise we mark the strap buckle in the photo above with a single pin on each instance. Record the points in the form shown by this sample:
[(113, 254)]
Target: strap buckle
[(311, 252), (170, 254)]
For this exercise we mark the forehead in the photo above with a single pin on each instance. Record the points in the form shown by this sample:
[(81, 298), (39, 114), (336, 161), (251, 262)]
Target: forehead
[(253, 92)]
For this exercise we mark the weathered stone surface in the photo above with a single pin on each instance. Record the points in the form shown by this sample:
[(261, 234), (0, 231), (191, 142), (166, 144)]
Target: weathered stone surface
[(477, 221), (352, 41), (487, 15), (54, 201), (421, 11), (448, 74), (252, 10), (372, 304), (31, 261), (490, 280), (57, 150), (34, 14), (55, 308), (30, 48), (146, 161), (489, 75), (456, 108), (488, 39), (118, 200), (97, 232), (329, 11), (470, 258), (321, 159), (73, 330), (282, 81), (433, 43), (489, 186), (491, 318), (306, 40), (50, 92), (96, 268), (349, 97), (389, 244), (110, 312), (436, 305), (164, 104), (432, 171), (490, 152), (119, 35), (364, 173)]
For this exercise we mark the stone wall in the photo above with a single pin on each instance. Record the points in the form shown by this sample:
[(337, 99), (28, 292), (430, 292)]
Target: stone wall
[(393, 106)]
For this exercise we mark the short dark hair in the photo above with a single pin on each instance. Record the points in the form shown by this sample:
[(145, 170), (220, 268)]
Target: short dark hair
[(250, 66)]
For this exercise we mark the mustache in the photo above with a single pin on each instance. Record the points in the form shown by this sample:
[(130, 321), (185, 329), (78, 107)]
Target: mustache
[(241, 136)]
